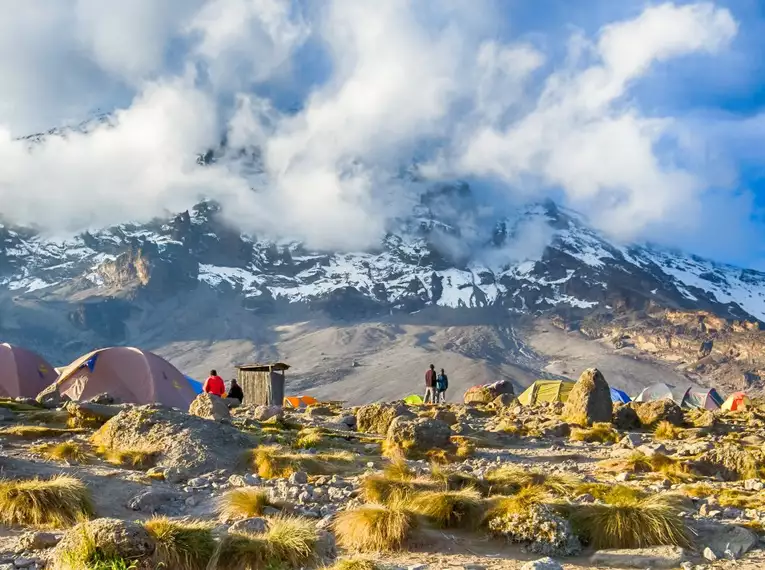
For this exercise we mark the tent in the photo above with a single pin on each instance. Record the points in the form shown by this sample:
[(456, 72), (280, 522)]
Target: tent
[(736, 402), (662, 391), (128, 374), (546, 391), (704, 398), (23, 373), (619, 397), (299, 401), (413, 399), (195, 384)]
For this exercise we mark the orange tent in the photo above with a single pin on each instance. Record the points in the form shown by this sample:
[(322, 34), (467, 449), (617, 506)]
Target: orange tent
[(736, 402), (23, 373), (299, 401), (128, 374)]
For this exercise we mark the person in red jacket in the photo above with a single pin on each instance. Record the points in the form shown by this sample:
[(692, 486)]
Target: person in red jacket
[(214, 385), (430, 385)]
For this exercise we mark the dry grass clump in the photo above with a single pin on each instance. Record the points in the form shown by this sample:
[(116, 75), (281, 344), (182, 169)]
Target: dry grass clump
[(375, 528), (465, 447), (518, 503), (449, 509), (59, 502), (673, 469), (399, 469), (630, 523), (85, 554), (271, 462), (34, 432), (611, 494), (598, 433), (129, 458), (281, 423), (698, 490), (313, 437), (667, 431), (67, 451), (509, 479), (84, 422), (243, 503), (381, 489), (452, 480), (289, 541), (181, 545), (355, 564)]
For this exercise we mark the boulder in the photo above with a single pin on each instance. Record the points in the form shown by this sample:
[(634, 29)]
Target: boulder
[(51, 398), (210, 407), (486, 393), (348, 421), (625, 418), (37, 541), (653, 557), (724, 540), (186, 445), (126, 539), (156, 502), (265, 413), (546, 563), (503, 400), (231, 403), (446, 416), (255, 525), (590, 400), (415, 437), (92, 412), (6, 415), (651, 413), (730, 461), (377, 418)]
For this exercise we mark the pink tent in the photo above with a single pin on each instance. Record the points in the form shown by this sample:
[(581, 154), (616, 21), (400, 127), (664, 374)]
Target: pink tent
[(128, 374), (23, 373)]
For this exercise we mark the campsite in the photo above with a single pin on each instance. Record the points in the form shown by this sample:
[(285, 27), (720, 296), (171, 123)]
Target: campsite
[(125, 452)]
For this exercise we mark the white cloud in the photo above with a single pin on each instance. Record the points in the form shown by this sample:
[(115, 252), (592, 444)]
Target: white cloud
[(404, 77)]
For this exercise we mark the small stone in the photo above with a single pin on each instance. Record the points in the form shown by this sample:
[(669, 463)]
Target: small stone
[(252, 479), (631, 440), (473, 567), (197, 483), (22, 562), (325, 523), (708, 554), (304, 497), (754, 485), (299, 478), (191, 501), (686, 565), (237, 481), (38, 541), (586, 498), (621, 477), (417, 567), (653, 557), (546, 563), (255, 525), (271, 511), (732, 513)]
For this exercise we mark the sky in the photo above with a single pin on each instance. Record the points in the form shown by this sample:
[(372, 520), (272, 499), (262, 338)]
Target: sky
[(648, 117)]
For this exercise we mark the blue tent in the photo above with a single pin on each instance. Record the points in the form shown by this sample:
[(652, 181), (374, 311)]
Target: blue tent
[(619, 397), (194, 384)]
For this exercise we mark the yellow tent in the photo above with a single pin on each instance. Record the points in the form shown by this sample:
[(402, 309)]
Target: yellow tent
[(546, 391)]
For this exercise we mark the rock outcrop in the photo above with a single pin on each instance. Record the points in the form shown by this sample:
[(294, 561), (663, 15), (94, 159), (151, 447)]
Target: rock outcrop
[(210, 407), (416, 437), (651, 413), (590, 400), (377, 418)]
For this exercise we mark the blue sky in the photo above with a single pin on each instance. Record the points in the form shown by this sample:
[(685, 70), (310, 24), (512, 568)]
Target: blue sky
[(646, 116)]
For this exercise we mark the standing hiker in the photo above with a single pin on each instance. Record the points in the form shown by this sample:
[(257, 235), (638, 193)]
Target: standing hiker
[(430, 385), (214, 385), (442, 383)]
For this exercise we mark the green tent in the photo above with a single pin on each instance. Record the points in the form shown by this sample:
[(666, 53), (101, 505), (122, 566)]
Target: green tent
[(413, 399)]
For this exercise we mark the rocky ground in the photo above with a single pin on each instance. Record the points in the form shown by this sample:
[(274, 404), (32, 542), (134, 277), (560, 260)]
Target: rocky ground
[(320, 463)]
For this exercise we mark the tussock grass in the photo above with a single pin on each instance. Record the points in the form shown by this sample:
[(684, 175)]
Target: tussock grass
[(308, 438), (82, 422), (243, 503), (354, 564), (454, 480), (34, 432), (611, 494), (698, 490), (673, 469), (129, 458), (598, 433), (399, 470), (741, 499), (509, 479), (51, 418), (375, 528), (288, 542), (15, 406), (450, 509), (465, 449), (519, 503), (381, 489), (67, 451), (630, 523), (667, 431), (181, 545), (59, 502), (281, 423), (271, 462)]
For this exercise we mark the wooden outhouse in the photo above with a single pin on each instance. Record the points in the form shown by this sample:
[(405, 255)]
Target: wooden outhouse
[(262, 384)]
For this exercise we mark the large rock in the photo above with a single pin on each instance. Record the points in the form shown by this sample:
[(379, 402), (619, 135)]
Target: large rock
[(726, 541), (654, 557), (651, 413), (115, 537), (487, 393), (186, 445), (210, 407), (90, 411), (415, 437), (625, 418), (590, 400), (728, 460), (377, 418), (156, 502), (546, 563)]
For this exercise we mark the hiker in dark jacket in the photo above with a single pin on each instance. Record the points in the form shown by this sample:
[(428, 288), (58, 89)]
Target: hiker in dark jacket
[(236, 391), (442, 383), (430, 385)]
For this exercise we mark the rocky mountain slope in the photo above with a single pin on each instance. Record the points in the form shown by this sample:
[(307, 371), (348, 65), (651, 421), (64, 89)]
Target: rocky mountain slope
[(201, 292)]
